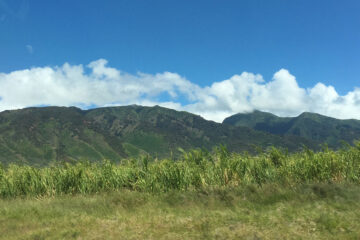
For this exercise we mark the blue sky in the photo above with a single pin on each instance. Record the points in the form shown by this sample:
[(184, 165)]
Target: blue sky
[(204, 42)]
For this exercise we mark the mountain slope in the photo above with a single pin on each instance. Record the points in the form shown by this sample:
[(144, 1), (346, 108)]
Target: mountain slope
[(307, 125), (41, 135)]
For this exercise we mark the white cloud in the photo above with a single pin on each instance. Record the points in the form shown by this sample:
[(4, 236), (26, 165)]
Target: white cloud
[(105, 86), (30, 49)]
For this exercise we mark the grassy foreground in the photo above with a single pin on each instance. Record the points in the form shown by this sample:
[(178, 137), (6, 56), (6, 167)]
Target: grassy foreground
[(197, 169), (218, 195), (315, 211)]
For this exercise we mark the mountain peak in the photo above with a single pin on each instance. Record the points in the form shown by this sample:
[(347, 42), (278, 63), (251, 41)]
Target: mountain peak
[(249, 119), (44, 134), (309, 125), (258, 112)]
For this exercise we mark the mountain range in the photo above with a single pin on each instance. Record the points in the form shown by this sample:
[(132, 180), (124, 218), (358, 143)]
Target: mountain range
[(40, 135), (307, 125)]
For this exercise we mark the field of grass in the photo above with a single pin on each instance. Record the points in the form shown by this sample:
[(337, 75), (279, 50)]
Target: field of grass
[(315, 211), (217, 195)]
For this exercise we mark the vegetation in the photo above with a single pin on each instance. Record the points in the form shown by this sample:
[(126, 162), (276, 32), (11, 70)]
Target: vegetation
[(311, 126), (202, 195), (38, 136), (54, 186), (197, 169), (309, 211)]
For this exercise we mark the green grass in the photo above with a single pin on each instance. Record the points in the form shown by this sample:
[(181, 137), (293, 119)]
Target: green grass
[(194, 170), (313, 211), (202, 195)]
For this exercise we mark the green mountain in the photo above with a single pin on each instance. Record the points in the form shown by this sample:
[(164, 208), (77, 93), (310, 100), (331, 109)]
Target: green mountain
[(41, 135), (311, 126)]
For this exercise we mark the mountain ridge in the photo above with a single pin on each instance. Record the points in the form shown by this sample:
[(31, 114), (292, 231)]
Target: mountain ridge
[(308, 125), (39, 135)]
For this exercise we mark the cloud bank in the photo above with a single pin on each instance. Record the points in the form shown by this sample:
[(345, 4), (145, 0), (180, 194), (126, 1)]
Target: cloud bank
[(97, 85)]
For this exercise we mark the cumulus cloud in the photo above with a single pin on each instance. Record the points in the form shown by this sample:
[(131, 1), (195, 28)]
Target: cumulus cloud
[(72, 85)]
